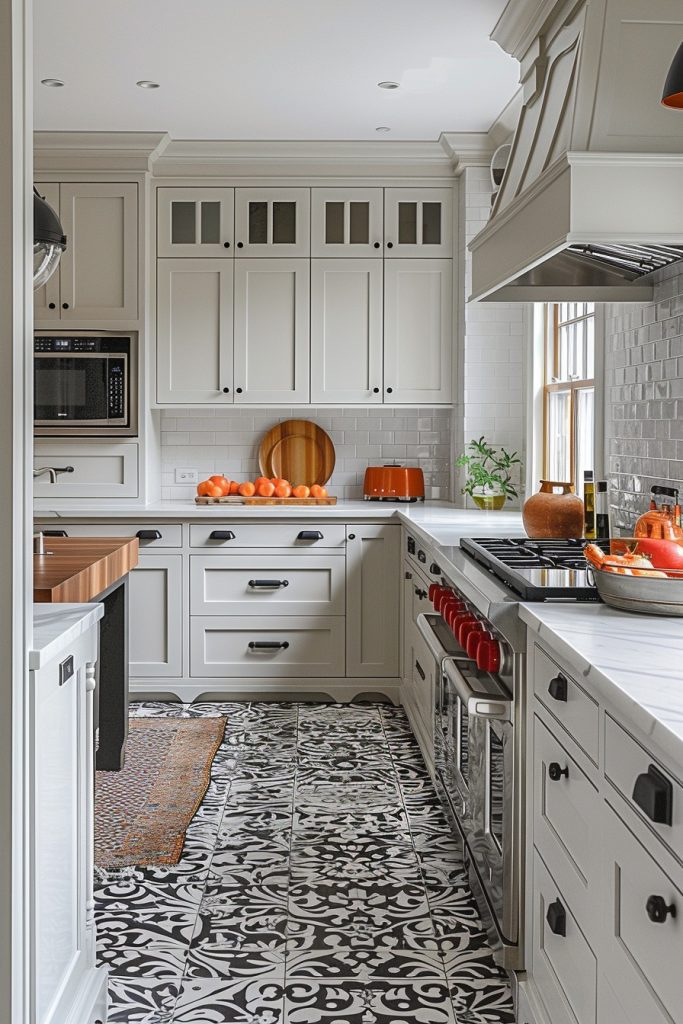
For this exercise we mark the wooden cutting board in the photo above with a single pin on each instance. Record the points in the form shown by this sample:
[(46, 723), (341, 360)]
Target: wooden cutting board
[(299, 451), (234, 500)]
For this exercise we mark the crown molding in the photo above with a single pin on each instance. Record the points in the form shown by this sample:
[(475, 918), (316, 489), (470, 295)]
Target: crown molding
[(467, 149), (97, 151), (521, 22)]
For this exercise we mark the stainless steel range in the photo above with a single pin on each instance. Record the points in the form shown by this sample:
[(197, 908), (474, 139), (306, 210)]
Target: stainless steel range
[(479, 646)]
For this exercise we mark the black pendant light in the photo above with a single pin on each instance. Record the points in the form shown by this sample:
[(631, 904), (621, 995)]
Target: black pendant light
[(49, 240), (673, 87)]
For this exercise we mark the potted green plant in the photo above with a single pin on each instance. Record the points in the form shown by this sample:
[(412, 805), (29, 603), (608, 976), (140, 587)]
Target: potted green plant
[(489, 473)]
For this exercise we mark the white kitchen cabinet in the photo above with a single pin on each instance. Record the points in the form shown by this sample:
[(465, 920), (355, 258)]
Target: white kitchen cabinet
[(372, 600), (418, 316), (100, 469), (346, 331), (195, 331), (272, 314), (195, 222), (418, 222), (272, 221), (156, 615), (97, 277), (347, 222)]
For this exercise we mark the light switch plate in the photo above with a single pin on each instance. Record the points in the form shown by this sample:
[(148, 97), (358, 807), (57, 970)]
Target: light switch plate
[(186, 476)]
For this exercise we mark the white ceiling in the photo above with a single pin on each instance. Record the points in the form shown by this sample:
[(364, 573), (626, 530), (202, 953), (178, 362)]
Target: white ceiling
[(271, 69)]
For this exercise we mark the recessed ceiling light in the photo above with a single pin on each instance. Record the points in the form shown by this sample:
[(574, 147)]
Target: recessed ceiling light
[(387, 85), (145, 83), (382, 129), (52, 83)]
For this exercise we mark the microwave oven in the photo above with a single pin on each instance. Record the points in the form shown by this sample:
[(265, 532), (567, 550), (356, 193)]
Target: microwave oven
[(85, 384)]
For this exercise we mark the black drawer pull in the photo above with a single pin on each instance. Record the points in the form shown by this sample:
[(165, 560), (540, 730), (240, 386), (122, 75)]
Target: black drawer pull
[(557, 918), (558, 688), (268, 645), (435, 569), (654, 794), (54, 533), (556, 773), (309, 535), (658, 910), (268, 584), (148, 535), (221, 535), (419, 668)]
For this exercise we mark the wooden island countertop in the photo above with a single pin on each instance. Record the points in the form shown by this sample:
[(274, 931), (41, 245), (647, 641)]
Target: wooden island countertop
[(79, 569)]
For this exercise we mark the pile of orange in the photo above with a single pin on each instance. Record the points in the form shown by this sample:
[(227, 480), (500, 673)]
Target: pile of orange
[(219, 487)]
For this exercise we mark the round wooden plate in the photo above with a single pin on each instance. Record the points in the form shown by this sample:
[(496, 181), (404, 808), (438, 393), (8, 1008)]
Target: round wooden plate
[(299, 451)]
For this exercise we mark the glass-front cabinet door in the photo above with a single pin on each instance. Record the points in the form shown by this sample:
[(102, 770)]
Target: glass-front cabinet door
[(347, 222), (272, 222), (418, 222), (195, 222)]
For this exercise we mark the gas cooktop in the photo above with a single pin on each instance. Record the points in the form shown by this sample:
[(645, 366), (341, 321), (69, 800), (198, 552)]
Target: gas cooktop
[(535, 570)]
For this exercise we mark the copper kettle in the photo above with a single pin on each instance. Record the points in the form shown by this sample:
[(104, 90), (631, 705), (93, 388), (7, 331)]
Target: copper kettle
[(661, 522)]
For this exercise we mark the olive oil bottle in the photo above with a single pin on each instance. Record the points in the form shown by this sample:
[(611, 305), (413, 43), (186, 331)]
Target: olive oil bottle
[(602, 511), (589, 530)]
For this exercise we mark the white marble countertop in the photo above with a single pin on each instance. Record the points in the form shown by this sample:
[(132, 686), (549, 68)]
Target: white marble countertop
[(634, 661), (56, 626)]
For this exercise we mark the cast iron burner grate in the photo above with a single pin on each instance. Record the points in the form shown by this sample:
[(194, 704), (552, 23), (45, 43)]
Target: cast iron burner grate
[(535, 570)]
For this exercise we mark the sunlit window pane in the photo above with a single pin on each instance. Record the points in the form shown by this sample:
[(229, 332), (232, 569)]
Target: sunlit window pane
[(584, 430), (559, 435)]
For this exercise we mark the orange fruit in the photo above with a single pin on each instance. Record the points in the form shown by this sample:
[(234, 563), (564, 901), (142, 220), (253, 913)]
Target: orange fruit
[(261, 480), (265, 489), (318, 492), (283, 490), (234, 487), (247, 489), (214, 491), (220, 481), (281, 482), (301, 491), (204, 487)]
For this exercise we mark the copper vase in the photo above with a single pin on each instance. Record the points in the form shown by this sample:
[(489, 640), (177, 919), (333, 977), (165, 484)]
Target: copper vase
[(549, 514)]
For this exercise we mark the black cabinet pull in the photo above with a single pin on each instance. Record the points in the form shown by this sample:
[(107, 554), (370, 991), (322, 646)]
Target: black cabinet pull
[(240, 245), (221, 535), (658, 910), (557, 918), (419, 668), (435, 569), (226, 245), (238, 390), (268, 645), (390, 391), (268, 584), (52, 305), (226, 391), (375, 391), (65, 305), (376, 244), (309, 535), (558, 687), (654, 794), (54, 533), (390, 245), (556, 773), (148, 535)]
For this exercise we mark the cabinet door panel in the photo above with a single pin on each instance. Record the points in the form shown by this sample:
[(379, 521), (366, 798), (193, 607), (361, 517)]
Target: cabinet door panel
[(194, 331), (372, 600), (272, 221), (347, 222), (418, 222), (271, 331), (346, 331), (418, 298), (99, 270), (156, 616), (195, 222), (46, 299)]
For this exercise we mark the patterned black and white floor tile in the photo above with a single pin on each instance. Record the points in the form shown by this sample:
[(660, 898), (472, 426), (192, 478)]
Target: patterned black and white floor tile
[(319, 882)]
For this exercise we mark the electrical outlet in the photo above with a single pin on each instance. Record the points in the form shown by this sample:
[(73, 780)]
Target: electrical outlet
[(186, 476)]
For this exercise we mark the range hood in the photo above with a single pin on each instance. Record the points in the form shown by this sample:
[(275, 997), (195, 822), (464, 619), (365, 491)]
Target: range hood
[(591, 203)]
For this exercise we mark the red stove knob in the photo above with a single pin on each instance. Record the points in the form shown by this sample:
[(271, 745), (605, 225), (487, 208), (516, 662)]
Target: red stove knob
[(488, 656), (453, 609), (433, 590), (457, 621), (442, 596), (470, 625), (447, 606), (474, 640)]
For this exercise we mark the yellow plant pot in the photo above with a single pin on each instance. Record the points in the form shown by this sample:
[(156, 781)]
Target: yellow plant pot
[(489, 502)]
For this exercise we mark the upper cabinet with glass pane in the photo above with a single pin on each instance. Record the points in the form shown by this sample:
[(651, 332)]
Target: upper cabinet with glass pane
[(195, 222), (272, 222), (347, 222), (418, 222)]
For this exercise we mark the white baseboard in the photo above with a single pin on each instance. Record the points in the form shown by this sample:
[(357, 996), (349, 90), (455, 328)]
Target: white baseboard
[(188, 690)]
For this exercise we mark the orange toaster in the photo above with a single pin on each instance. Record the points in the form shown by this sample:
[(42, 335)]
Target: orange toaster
[(393, 483)]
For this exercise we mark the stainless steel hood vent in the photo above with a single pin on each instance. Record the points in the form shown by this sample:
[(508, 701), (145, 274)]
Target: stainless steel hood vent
[(591, 203)]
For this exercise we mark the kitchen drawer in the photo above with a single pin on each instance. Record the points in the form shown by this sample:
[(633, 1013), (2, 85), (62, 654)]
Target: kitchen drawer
[(654, 949), (100, 470), (170, 534), (568, 702), (625, 761), (269, 535), (564, 967), (567, 812), (219, 647), (273, 584), (421, 673), (624, 999)]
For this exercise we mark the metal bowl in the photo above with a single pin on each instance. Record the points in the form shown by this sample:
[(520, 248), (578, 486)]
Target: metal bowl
[(643, 594)]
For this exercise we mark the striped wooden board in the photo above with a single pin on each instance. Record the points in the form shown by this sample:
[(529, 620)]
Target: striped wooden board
[(235, 499)]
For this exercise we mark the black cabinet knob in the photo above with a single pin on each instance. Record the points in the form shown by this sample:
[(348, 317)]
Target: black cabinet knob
[(654, 794), (52, 305), (226, 245), (658, 910), (557, 918), (65, 305), (556, 772), (390, 245), (240, 245), (390, 391), (558, 687), (375, 391), (352, 536), (238, 390), (377, 245), (226, 391)]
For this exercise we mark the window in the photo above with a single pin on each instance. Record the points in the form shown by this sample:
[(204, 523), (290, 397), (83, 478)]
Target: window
[(569, 391)]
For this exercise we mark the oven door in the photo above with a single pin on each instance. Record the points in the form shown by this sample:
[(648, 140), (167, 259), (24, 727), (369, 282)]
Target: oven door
[(81, 389)]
